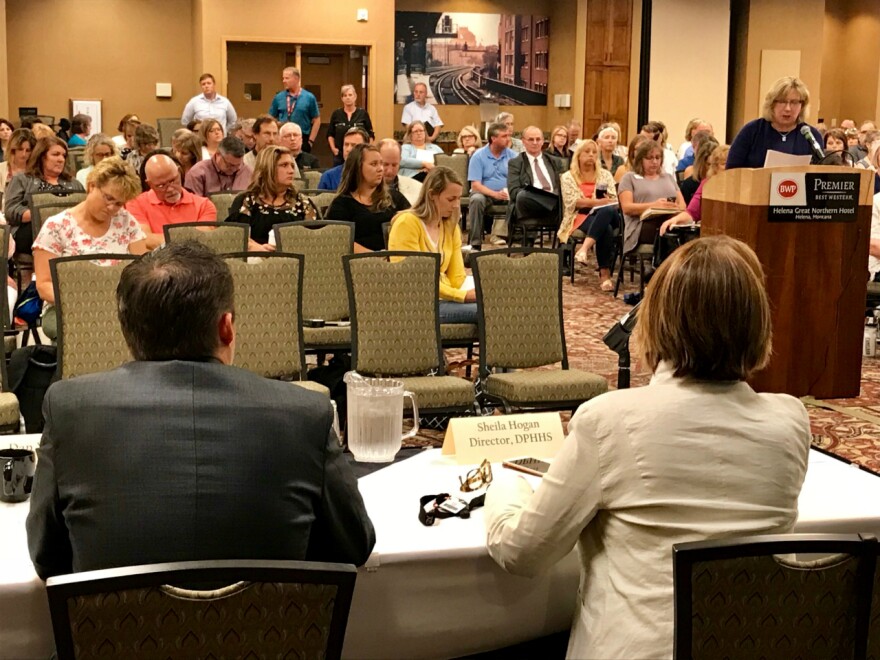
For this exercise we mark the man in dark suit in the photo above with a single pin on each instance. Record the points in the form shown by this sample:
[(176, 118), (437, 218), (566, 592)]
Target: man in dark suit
[(179, 456), (533, 182)]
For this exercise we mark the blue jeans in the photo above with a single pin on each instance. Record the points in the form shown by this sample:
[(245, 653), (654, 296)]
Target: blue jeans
[(456, 312)]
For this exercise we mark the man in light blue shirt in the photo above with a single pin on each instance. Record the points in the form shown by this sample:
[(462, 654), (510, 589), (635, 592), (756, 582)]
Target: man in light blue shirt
[(487, 174), (293, 103), (209, 105)]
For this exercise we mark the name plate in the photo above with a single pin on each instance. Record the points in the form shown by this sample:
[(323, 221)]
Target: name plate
[(813, 197), (497, 438)]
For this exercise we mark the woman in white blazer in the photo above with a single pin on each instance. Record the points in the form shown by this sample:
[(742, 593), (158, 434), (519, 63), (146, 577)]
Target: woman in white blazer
[(697, 454)]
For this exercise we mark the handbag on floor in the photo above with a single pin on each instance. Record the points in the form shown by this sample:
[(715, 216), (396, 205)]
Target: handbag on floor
[(31, 370)]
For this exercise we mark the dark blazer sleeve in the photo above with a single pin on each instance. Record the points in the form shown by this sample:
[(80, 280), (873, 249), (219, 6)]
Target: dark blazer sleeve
[(16, 198), (342, 531), (48, 540), (519, 175)]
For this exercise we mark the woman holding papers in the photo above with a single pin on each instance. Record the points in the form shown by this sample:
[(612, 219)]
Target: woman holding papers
[(695, 455), (586, 190), (786, 107), (432, 225), (694, 213), (417, 154)]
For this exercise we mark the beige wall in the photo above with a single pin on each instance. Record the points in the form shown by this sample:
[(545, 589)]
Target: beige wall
[(4, 76), (681, 87), (113, 50)]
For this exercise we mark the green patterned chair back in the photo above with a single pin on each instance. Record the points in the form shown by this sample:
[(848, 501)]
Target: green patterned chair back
[(51, 199), (519, 295), (39, 214), (323, 244), (271, 609), (269, 338), (322, 202), (311, 178), (221, 237), (166, 127), (89, 334), (394, 312), (747, 597), (223, 201), (458, 163), (75, 159)]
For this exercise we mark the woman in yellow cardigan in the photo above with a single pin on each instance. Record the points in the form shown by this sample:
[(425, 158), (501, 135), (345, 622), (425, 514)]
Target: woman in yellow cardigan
[(432, 226)]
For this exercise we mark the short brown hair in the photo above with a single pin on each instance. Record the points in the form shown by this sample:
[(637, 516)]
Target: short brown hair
[(643, 151), (206, 76), (706, 312)]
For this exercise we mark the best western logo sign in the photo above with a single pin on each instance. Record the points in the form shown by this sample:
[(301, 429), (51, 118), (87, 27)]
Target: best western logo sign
[(813, 197)]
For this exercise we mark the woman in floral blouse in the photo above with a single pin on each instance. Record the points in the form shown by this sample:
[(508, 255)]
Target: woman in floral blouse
[(271, 199), (97, 225)]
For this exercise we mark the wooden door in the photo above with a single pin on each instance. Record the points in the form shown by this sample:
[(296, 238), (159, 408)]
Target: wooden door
[(615, 92), (598, 12), (594, 101), (619, 33)]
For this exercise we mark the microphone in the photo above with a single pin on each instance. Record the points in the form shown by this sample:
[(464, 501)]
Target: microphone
[(818, 151)]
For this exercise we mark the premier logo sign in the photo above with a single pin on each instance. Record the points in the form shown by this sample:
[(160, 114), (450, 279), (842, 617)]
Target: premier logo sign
[(813, 197)]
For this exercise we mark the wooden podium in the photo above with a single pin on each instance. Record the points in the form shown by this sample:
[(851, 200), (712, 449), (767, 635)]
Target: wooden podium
[(816, 274)]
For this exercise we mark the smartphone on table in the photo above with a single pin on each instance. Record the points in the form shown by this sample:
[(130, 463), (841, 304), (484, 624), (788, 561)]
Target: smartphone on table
[(532, 466)]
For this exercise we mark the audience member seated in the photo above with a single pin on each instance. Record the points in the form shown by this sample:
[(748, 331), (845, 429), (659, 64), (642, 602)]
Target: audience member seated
[(146, 140), (290, 136), (634, 144), (507, 118), (211, 132), (122, 140), (265, 134), (487, 174), (786, 107), (606, 140), (46, 172), (6, 130), (420, 110), (244, 131), (532, 171), (468, 140), (210, 462), (167, 202), (80, 127), (852, 140), (186, 147), (345, 118), (656, 130), (432, 225), (330, 179), (688, 134), (697, 173), (417, 154), (42, 130), (696, 139), (558, 146), (641, 469), (861, 149), (224, 171), (364, 199), (271, 199), (574, 133), (98, 225), (646, 186), (389, 149), (835, 140), (18, 151), (63, 131), (209, 105), (716, 163), (872, 142), (685, 161), (586, 190), (97, 149)]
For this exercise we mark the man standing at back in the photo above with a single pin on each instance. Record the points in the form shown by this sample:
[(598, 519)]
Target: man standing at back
[(209, 105), (180, 457), (293, 103)]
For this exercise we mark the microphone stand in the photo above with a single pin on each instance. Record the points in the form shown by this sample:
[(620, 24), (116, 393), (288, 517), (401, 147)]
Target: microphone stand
[(617, 339)]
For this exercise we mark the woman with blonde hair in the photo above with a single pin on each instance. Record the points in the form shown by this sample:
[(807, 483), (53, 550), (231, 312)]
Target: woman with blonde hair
[(18, 151), (586, 191), (785, 111), (695, 455), (468, 140), (271, 199), (432, 225), (365, 199), (98, 147), (99, 224)]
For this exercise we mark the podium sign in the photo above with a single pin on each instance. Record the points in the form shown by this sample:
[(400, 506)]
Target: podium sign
[(813, 197)]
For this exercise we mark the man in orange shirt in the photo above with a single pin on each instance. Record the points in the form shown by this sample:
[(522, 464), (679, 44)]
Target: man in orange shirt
[(167, 202)]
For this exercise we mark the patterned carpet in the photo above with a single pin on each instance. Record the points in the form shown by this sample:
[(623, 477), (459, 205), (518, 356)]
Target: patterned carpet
[(847, 428)]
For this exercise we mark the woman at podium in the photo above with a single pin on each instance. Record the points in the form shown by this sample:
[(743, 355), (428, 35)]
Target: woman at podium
[(786, 107)]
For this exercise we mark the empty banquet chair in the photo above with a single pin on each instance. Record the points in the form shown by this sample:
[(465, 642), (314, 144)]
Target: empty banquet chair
[(311, 178), (396, 330), (166, 127), (89, 334), (324, 293), (751, 597), (269, 609), (521, 328), (222, 201), (268, 316), (222, 237)]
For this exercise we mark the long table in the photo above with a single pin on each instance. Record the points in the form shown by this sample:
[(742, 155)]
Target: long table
[(429, 592)]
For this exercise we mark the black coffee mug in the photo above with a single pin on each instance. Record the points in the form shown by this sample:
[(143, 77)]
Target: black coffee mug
[(17, 478), (601, 192)]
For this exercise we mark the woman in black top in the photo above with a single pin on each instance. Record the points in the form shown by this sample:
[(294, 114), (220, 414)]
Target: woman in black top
[(344, 118), (700, 169), (271, 198), (364, 199)]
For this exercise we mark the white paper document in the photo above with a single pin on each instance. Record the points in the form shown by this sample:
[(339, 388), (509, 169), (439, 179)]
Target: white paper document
[(424, 156), (779, 159)]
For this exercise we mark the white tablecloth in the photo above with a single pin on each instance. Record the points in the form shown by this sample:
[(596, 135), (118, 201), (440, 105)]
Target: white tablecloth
[(433, 592)]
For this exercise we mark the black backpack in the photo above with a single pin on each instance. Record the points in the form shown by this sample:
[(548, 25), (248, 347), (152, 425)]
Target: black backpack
[(31, 370)]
